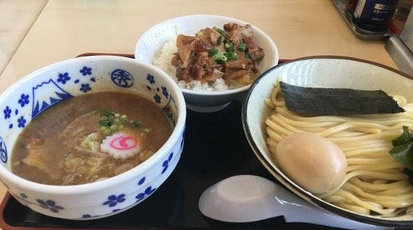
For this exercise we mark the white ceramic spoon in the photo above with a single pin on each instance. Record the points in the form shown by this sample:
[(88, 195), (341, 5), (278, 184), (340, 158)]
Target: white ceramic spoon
[(248, 198)]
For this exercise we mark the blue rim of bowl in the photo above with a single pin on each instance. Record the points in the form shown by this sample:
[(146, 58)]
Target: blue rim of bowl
[(294, 188)]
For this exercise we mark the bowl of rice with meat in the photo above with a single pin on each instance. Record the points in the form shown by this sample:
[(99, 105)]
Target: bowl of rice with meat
[(213, 59)]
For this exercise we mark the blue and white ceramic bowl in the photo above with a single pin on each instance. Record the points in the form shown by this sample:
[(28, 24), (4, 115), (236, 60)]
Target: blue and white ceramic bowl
[(41, 89)]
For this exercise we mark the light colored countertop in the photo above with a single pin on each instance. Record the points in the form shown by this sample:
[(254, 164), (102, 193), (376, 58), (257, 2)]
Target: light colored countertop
[(32, 36), (16, 18), (66, 28)]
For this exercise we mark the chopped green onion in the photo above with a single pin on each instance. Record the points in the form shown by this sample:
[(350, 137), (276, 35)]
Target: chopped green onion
[(213, 51), (242, 47), (111, 122), (106, 113), (231, 56), (221, 31), (219, 41), (220, 57), (229, 47), (105, 123), (105, 130)]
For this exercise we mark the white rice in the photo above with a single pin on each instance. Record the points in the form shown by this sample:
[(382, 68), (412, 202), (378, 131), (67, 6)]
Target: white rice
[(162, 59)]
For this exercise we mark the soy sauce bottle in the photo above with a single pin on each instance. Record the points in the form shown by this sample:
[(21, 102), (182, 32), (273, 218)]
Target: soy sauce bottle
[(373, 16)]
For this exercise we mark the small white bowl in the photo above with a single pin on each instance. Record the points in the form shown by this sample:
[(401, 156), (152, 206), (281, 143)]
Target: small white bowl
[(71, 78), (153, 40), (320, 71)]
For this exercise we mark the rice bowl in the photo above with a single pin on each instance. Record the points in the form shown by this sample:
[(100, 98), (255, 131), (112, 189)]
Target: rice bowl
[(199, 97)]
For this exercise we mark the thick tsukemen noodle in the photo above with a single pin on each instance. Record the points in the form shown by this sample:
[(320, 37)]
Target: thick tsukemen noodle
[(90, 137), (374, 183)]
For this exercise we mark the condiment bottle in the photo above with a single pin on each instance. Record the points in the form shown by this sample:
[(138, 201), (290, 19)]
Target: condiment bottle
[(373, 16), (400, 16)]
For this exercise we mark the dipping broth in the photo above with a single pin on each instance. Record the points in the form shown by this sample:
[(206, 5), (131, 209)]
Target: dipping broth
[(89, 138)]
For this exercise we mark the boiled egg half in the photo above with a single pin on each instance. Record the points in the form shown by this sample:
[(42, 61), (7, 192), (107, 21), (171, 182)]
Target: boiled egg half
[(311, 161)]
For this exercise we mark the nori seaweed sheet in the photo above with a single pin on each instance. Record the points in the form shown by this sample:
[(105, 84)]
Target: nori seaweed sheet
[(311, 101)]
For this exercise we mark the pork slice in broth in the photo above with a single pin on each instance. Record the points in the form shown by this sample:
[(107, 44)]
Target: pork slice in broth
[(43, 156)]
